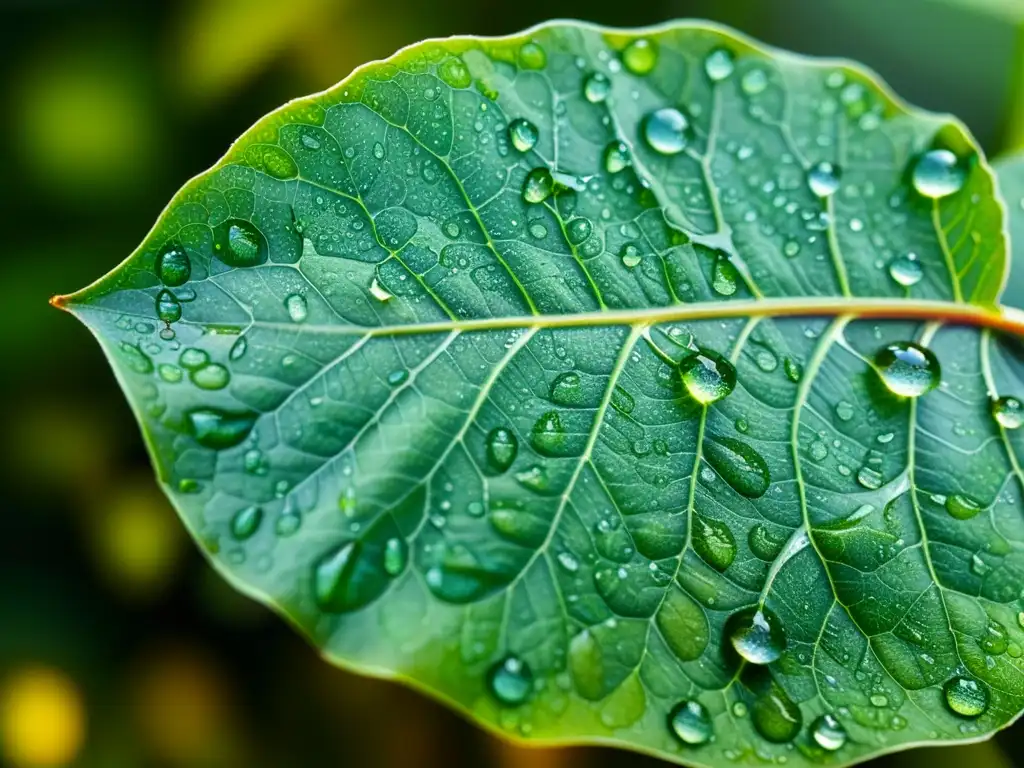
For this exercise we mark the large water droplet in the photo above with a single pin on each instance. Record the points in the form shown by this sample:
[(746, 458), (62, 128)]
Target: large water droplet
[(823, 179), (995, 640), (173, 266), (937, 174), (743, 468), (764, 544), (908, 369), (906, 270), (566, 389), (596, 87), (168, 308), (966, 697), (578, 230), (640, 56), (332, 574), (691, 723), (775, 716), (756, 634), (238, 243), (538, 186), (962, 507), (719, 65), (296, 307), (1008, 412), (707, 376), (616, 157), (532, 56), (210, 376), (714, 542), (665, 131), (246, 522), (724, 276), (523, 134), (548, 435), (510, 681), (218, 429), (828, 733), (502, 447)]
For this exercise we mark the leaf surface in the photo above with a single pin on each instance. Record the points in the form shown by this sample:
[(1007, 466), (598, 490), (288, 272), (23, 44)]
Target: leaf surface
[(628, 387)]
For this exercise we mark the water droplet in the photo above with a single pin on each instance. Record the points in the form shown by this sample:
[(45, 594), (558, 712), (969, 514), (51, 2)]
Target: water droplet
[(962, 507), (538, 186), (828, 733), (714, 542), (754, 82), (578, 230), (568, 561), (937, 174), (756, 634), (622, 401), (238, 243), (640, 56), (719, 65), (792, 370), (523, 134), (510, 681), (332, 575), (170, 373), (596, 87), (566, 389), (724, 276), (218, 429), (192, 359), (454, 72), (996, 640), (238, 348), (764, 544), (296, 306), (378, 151), (966, 697), (823, 179), (1009, 412), (707, 376), (168, 308), (630, 255), (548, 435), (173, 266), (616, 157), (379, 292), (395, 556), (502, 447), (775, 716), (844, 410), (246, 522), (310, 142), (691, 723), (743, 468), (210, 376), (870, 478), (398, 377), (665, 131), (532, 56), (908, 369), (906, 270)]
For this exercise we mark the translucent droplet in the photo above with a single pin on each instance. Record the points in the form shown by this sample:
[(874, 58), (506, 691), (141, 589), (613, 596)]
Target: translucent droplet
[(665, 131), (296, 307), (823, 179), (719, 65), (616, 157), (724, 276), (764, 544), (870, 478), (211, 376), (707, 376), (906, 270), (568, 562), (938, 174), (455, 73), (713, 542), (538, 186), (775, 716), (995, 640), (578, 230), (168, 308), (502, 447), (173, 266), (828, 733), (966, 697), (962, 507), (908, 369), (395, 556), (691, 723), (756, 634), (743, 468), (331, 577), (596, 87), (216, 429), (754, 82), (548, 436), (566, 389), (622, 401), (1008, 412), (523, 134), (630, 255), (246, 522), (640, 56), (192, 359), (510, 681), (532, 56), (238, 348), (238, 243), (379, 292), (792, 370)]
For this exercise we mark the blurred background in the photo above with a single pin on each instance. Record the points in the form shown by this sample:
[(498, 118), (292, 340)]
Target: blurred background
[(118, 645)]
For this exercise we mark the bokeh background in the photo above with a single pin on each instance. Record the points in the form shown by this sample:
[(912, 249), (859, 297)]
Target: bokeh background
[(119, 646)]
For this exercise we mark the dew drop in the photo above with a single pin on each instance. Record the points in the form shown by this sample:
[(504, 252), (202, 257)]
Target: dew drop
[(743, 468), (210, 376), (616, 157), (724, 276), (238, 349), (906, 270), (870, 478), (691, 723), (823, 179), (523, 134), (754, 82), (640, 56), (566, 389), (596, 87), (713, 542), (996, 640), (665, 131), (502, 447), (548, 435), (764, 544), (296, 307), (966, 697), (453, 72), (707, 376), (532, 56), (238, 243), (168, 308), (192, 359), (719, 65), (756, 634), (396, 553), (216, 429), (246, 522), (379, 292), (173, 266), (331, 577), (578, 230), (907, 369), (775, 716), (510, 681), (828, 733), (937, 174), (630, 255), (538, 186), (1008, 412), (962, 507)]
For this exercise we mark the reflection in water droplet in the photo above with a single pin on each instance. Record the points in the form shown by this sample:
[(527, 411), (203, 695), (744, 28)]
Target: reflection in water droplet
[(173, 266), (764, 544), (566, 389), (742, 467), (238, 348), (216, 429), (966, 697), (665, 131), (548, 435), (379, 292), (640, 56), (510, 681), (578, 230), (996, 640), (937, 174), (962, 507), (719, 65), (906, 270), (616, 157), (707, 376), (823, 179), (523, 134), (724, 276), (713, 542), (246, 522), (908, 369), (538, 186), (238, 243), (296, 307), (502, 447), (596, 87), (775, 716), (168, 308), (1008, 412), (756, 634), (828, 733), (691, 723)]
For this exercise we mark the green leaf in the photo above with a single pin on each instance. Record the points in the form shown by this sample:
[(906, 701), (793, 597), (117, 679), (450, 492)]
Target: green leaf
[(618, 387)]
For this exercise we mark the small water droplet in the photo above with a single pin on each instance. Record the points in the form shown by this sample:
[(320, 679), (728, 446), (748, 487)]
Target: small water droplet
[(870, 478), (510, 681), (216, 429), (906, 270), (775, 716), (962, 507), (596, 87), (578, 230), (1008, 412), (548, 436), (210, 376), (823, 179), (538, 186), (168, 308), (713, 542), (754, 81), (246, 522), (966, 697), (756, 634), (378, 151), (707, 376), (995, 640), (566, 389), (743, 468), (523, 134), (828, 733), (173, 266), (502, 447), (938, 174), (395, 556), (724, 276), (691, 723), (238, 348), (616, 157), (908, 369), (238, 243), (630, 255), (665, 131), (640, 56), (719, 65), (379, 292), (764, 544), (532, 56), (296, 307)]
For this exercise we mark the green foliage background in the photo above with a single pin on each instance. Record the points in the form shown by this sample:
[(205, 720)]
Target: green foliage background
[(108, 111)]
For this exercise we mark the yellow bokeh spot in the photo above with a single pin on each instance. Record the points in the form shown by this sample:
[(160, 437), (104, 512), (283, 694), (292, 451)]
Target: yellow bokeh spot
[(42, 719)]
